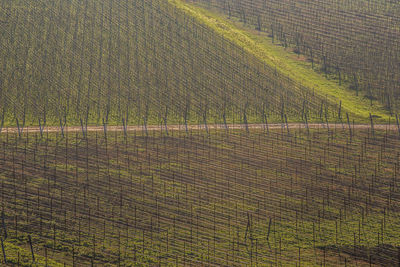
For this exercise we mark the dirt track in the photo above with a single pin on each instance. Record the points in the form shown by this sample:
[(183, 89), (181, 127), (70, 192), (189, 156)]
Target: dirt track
[(51, 129)]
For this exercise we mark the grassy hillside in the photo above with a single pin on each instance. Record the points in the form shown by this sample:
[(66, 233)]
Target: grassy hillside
[(230, 199), (357, 41)]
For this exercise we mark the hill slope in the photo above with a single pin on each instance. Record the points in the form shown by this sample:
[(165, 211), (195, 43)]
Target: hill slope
[(136, 62), (288, 63), (356, 40)]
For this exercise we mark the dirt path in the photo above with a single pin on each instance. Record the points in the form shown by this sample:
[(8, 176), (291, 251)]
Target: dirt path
[(52, 129)]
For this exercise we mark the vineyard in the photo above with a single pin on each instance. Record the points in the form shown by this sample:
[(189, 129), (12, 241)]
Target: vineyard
[(357, 41), (231, 198), (199, 133), (135, 62)]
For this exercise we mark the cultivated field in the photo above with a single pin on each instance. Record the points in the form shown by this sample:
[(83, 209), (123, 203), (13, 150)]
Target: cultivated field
[(199, 133), (356, 41), (134, 62), (231, 198)]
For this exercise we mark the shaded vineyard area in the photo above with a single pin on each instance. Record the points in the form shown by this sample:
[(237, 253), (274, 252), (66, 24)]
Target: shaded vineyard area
[(356, 41), (222, 198), (132, 62)]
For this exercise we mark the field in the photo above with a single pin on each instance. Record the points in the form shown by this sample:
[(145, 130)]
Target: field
[(135, 62), (199, 133), (231, 198), (356, 41)]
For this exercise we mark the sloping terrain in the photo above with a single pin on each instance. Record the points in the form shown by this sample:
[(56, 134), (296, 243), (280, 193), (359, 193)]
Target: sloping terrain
[(130, 161), (147, 62), (357, 41), (89, 62), (289, 64)]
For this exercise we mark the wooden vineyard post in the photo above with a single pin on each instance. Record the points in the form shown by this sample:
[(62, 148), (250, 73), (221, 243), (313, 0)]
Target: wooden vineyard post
[(306, 121), (266, 123), (398, 256), (299, 256), (372, 125), (225, 124), (269, 231), (205, 120), (2, 120), (348, 122), (185, 117), (54, 236), (105, 129), (41, 127), (327, 122), (16, 226), (45, 256), (4, 252), (125, 127), (165, 121), (83, 128), (145, 125), (287, 125), (62, 125), (31, 247), (73, 256), (245, 121), (3, 224)]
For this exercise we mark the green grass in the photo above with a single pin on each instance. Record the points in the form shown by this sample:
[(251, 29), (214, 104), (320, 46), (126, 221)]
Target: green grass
[(285, 62), (16, 248)]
